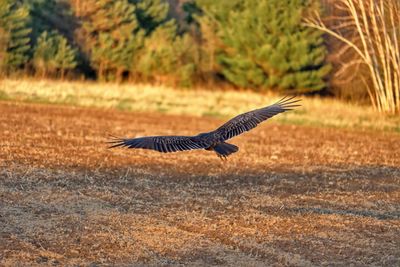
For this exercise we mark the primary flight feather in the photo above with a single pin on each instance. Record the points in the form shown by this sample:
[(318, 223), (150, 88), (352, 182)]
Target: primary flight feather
[(214, 140)]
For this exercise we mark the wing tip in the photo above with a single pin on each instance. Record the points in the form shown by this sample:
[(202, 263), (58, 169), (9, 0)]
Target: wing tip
[(289, 101), (115, 141)]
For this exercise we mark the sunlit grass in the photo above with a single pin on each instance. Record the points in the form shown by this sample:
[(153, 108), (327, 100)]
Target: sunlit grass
[(293, 196), (315, 111)]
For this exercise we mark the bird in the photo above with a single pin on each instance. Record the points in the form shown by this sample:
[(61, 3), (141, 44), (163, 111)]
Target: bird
[(214, 140)]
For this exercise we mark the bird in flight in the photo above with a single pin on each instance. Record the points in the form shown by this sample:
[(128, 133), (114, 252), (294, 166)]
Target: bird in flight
[(214, 140)]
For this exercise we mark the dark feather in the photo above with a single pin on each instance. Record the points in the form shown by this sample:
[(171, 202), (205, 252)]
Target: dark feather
[(159, 143), (225, 149), (251, 119), (214, 139)]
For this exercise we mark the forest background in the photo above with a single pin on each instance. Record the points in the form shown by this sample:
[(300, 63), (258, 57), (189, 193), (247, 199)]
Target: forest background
[(348, 49)]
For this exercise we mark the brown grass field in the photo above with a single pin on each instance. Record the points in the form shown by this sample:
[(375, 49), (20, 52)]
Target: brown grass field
[(292, 196)]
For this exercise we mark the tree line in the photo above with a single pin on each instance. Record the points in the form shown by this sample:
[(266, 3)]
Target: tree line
[(257, 44)]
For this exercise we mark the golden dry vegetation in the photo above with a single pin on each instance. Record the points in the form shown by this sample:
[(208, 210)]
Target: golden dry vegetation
[(295, 195), (200, 103)]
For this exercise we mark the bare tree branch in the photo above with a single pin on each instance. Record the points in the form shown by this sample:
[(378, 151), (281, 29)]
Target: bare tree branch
[(377, 26)]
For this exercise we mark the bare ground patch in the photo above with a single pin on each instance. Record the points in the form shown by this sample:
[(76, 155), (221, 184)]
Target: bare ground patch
[(292, 195)]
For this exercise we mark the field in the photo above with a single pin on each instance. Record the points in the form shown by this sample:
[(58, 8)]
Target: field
[(199, 103), (296, 194)]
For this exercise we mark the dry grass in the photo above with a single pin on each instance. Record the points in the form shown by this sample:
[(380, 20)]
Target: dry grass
[(292, 195), (143, 98)]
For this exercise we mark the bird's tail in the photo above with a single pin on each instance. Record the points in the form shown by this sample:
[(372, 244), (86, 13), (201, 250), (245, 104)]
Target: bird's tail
[(225, 149)]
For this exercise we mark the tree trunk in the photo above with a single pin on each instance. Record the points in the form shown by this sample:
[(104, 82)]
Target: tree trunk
[(44, 73), (118, 75), (62, 74), (100, 72)]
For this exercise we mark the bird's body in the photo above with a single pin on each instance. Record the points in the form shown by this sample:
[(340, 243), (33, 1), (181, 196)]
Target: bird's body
[(214, 140)]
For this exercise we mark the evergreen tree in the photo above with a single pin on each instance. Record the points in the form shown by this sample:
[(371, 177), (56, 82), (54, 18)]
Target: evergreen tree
[(209, 45), (151, 13), (265, 45), (40, 12), (4, 38), (52, 53), (50, 15), (110, 35), (168, 57), (43, 56), (65, 57), (14, 44)]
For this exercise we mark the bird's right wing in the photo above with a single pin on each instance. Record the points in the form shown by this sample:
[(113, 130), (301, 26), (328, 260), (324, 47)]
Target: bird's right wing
[(249, 120), (163, 144)]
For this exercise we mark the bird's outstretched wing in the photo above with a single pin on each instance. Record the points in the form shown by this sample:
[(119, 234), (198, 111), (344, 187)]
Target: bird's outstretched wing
[(159, 143), (247, 121)]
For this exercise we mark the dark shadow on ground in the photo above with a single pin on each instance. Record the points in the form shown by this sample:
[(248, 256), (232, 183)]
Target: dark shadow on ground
[(388, 215), (44, 206)]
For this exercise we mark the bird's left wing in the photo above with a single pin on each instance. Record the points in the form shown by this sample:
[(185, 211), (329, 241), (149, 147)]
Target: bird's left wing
[(247, 121), (163, 144)]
